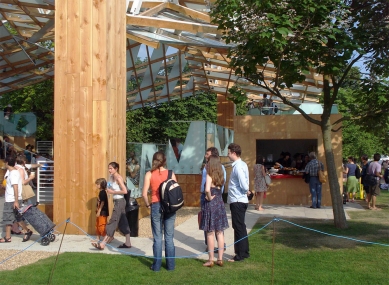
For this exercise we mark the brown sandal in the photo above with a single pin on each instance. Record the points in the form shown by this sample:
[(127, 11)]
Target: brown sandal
[(208, 264), (220, 263), (3, 240)]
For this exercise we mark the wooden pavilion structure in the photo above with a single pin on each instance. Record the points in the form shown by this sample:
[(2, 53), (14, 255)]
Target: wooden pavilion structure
[(111, 56)]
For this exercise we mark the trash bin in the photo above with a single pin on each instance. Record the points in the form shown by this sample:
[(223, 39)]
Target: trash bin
[(132, 211)]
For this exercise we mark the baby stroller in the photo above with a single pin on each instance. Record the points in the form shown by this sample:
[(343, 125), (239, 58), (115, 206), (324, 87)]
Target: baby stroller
[(41, 223)]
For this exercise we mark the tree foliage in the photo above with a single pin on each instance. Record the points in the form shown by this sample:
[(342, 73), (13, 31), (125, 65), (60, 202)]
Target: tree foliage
[(298, 36), (363, 133), (171, 119), (38, 99)]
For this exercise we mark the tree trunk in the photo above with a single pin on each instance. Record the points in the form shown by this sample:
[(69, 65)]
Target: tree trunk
[(336, 197)]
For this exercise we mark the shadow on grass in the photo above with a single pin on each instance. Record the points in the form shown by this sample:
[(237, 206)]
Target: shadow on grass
[(368, 225), (298, 238)]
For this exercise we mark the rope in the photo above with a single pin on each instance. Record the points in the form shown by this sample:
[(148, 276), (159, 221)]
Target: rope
[(332, 235), (59, 249), (202, 253)]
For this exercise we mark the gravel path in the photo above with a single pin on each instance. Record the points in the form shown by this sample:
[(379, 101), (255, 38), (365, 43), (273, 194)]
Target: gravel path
[(29, 257), (22, 259)]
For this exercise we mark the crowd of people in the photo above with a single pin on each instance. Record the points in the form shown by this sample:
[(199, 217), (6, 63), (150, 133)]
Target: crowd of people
[(371, 174), (214, 218)]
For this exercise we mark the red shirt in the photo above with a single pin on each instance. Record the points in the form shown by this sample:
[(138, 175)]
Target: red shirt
[(157, 177)]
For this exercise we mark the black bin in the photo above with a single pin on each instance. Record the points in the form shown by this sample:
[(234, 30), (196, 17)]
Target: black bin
[(133, 217)]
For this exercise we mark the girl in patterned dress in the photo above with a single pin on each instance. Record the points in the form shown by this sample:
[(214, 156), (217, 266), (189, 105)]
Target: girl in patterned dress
[(214, 217), (259, 182)]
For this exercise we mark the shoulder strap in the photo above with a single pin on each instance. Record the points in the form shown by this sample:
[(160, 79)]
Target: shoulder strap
[(170, 174)]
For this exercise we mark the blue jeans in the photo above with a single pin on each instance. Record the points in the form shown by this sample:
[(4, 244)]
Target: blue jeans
[(315, 188), (161, 220)]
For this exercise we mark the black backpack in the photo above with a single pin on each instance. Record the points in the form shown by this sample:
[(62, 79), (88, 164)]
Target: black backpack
[(357, 172), (171, 195)]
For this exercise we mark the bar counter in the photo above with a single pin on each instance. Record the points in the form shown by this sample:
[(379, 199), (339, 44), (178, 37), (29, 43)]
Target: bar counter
[(286, 176), (288, 189)]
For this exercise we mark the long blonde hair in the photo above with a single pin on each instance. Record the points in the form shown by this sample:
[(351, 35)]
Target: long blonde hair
[(215, 170)]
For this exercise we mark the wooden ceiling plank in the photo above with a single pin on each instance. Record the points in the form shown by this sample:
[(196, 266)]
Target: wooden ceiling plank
[(44, 30), (136, 76), (144, 21), (143, 40), (155, 10), (151, 73), (189, 12)]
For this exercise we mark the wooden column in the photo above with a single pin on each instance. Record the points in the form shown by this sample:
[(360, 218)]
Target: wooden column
[(225, 112), (90, 104)]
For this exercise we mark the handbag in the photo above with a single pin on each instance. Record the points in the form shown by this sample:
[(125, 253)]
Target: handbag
[(199, 217), (27, 192), (267, 179), (306, 177), (320, 173)]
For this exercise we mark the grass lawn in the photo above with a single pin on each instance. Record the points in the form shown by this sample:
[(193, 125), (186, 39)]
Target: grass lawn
[(300, 257)]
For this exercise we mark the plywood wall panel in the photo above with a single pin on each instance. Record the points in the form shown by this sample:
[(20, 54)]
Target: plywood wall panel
[(73, 26), (225, 112), (99, 49), (86, 51), (89, 104)]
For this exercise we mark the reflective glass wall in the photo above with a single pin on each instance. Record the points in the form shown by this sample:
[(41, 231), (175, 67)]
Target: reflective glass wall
[(200, 136)]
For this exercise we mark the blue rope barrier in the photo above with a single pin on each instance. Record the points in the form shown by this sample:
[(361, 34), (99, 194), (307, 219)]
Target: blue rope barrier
[(202, 253), (332, 235)]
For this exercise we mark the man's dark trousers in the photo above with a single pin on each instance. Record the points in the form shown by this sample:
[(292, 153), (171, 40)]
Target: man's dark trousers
[(238, 213)]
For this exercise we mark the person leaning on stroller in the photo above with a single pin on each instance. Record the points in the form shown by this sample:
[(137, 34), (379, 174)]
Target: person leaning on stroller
[(13, 200)]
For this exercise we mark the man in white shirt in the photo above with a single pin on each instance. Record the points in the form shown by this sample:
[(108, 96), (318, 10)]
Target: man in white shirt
[(13, 200), (238, 189)]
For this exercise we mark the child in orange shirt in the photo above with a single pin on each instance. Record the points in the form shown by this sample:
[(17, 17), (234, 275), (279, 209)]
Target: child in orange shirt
[(102, 208)]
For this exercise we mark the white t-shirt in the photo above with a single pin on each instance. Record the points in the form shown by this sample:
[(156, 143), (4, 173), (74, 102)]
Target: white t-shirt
[(13, 177), (18, 166), (115, 187)]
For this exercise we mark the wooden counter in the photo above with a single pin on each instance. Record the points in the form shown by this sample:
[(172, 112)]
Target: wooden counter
[(292, 190)]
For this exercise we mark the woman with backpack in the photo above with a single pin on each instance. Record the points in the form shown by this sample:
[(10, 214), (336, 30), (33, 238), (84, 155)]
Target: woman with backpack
[(352, 181), (159, 220)]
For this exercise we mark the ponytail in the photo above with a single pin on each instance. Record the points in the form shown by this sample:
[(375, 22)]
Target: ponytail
[(159, 160)]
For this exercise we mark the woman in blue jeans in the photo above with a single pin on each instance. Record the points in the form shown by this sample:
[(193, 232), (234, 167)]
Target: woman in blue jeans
[(312, 169), (159, 221)]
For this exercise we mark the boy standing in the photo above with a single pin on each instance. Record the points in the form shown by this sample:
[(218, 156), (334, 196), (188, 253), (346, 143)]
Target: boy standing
[(102, 208)]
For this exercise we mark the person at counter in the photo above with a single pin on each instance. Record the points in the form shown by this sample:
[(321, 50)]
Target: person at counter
[(284, 160), (312, 169), (305, 161), (298, 162)]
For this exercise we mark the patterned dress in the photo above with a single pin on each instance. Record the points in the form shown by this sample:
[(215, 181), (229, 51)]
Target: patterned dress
[(259, 180), (214, 217)]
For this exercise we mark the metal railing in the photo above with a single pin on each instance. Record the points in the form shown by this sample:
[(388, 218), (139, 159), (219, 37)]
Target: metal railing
[(45, 182)]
